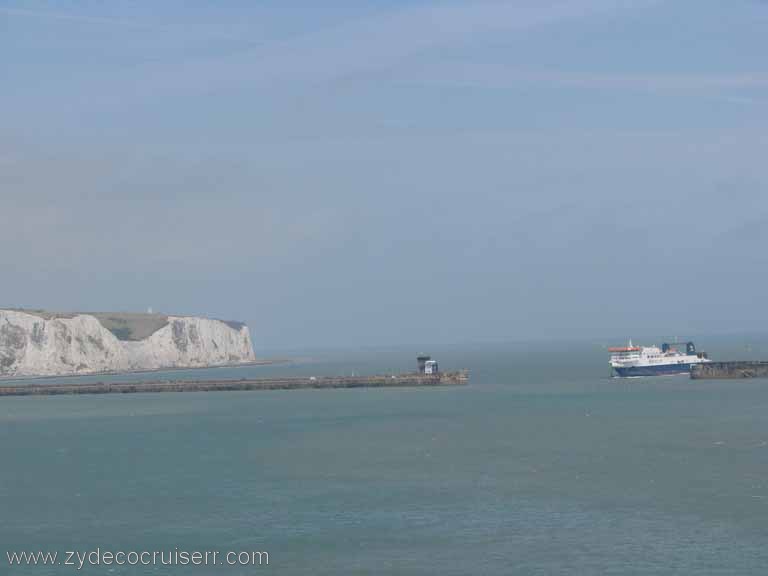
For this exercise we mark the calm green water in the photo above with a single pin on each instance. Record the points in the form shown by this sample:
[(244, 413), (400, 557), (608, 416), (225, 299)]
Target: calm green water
[(542, 465)]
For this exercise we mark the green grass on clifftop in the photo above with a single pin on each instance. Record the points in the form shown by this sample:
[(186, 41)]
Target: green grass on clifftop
[(126, 326), (132, 326)]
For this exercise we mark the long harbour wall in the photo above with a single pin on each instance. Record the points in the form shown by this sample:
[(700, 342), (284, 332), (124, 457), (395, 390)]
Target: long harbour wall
[(729, 370), (296, 383)]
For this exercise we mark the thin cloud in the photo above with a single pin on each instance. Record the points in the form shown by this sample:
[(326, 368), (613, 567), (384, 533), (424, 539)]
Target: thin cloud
[(385, 40), (117, 22), (496, 76), (662, 82)]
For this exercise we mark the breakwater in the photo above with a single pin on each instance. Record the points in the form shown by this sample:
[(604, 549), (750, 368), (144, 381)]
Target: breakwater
[(729, 370), (294, 383)]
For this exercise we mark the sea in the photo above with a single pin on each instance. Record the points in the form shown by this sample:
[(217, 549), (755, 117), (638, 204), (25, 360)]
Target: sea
[(542, 465)]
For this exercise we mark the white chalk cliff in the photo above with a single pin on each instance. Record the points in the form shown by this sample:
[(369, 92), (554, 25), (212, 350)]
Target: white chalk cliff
[(44, 344)]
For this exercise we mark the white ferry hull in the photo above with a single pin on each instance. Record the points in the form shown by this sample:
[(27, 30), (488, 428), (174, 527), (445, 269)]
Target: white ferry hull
[(629, 361), (656, 370)]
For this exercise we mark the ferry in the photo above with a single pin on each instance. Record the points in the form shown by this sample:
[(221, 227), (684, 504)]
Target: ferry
[(628, 361)]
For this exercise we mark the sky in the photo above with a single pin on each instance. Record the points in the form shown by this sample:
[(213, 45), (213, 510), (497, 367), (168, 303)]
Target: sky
[(382, 172)]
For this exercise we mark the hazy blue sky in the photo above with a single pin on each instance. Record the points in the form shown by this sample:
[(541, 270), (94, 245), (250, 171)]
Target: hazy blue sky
[(383, 171)]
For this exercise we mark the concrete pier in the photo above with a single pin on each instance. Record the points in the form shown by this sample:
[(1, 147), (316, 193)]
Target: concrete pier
[(320, 382), (729, 370)]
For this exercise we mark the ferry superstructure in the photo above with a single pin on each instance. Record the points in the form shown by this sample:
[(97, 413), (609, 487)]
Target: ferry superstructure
[(627, 361)]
